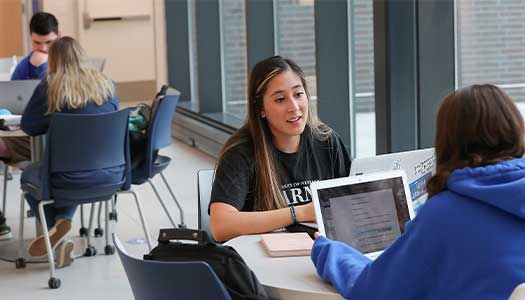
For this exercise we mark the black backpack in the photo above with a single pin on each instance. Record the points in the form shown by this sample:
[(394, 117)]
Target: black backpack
[(238, 279), (138, 132)]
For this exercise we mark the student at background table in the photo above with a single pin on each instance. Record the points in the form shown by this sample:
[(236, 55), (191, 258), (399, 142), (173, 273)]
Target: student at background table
[(468, 241), (72, 85), (43, 29), (265, 168)]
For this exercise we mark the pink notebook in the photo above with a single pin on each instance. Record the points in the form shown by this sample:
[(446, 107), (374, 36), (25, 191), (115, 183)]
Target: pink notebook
[(287, 244)]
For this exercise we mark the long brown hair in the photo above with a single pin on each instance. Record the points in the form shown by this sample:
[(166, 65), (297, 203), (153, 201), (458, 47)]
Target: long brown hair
[(73, 82), (256, 132), (477, 126)]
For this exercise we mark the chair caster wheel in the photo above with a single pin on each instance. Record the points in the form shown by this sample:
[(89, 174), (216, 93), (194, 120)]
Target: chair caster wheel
[(99, 232), (20, 263), (53, 283), (82, 231), (109, 250), (113, 216), (90, 251)]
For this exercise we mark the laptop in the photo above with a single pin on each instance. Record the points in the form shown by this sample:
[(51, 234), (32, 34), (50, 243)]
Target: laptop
[(419, 166), (15, 94), (367, 212)]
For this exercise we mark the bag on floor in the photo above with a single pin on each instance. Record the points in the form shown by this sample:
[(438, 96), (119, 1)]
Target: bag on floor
[(238, 279)]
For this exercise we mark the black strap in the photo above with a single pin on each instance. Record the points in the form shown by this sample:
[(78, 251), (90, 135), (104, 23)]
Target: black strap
[(202, 237), (162, 91)]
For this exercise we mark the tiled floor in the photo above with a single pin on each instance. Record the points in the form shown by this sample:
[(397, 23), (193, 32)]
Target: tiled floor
[(102, 277)]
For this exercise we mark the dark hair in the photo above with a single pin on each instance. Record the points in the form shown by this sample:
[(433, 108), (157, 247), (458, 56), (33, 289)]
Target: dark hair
[(43, 23), (477, 126)]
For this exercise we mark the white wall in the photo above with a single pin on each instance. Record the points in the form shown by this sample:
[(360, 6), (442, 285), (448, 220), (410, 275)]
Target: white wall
[(160, 42), (135, 50)]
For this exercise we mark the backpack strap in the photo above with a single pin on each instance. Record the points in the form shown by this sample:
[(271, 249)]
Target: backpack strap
[(200, 236)]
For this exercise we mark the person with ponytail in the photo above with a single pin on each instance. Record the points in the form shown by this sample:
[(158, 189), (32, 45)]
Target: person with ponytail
[(265, 169), (468, 240)]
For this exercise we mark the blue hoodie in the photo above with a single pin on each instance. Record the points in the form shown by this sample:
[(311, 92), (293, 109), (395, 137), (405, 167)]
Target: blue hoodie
[(468, 242), (25, 70)]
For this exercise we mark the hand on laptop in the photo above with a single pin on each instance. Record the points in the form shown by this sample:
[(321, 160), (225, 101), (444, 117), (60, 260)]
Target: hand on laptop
[(38, 58)]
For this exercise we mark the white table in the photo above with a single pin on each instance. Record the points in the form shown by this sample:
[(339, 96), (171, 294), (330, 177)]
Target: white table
[(290, 278), (5, 76)]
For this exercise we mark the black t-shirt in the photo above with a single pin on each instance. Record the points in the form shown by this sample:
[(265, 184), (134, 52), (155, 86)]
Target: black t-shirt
[(315, 160)]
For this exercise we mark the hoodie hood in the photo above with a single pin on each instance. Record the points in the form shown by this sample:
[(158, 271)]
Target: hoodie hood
[(501, 185)]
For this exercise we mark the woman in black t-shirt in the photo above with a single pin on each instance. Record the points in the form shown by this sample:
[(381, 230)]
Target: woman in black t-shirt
[(265, 169)]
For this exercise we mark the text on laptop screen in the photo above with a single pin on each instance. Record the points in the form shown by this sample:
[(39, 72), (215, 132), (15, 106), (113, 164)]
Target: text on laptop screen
[(368, 216)]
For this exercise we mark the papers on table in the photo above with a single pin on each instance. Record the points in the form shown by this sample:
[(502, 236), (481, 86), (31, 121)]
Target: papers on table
[(10, 122)]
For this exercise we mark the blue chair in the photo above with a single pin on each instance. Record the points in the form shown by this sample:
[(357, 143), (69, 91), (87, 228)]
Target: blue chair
[(204, 184), (159, 136), (76, 143), (163, 280)]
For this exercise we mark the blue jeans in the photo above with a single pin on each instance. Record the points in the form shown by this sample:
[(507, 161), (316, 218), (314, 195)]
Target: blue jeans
[(51, 211)]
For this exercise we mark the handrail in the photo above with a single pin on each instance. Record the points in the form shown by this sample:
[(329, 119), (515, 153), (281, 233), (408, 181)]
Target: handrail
[(87, 19)]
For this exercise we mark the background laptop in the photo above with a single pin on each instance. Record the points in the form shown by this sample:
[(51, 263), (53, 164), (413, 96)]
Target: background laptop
[(367, 212), (15, 94), (419, 166)]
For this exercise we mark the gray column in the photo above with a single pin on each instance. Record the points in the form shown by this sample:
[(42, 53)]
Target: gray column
[(209, 56), (260, 33), (436, 62), (177, 40), (333, 66), (395, 60)]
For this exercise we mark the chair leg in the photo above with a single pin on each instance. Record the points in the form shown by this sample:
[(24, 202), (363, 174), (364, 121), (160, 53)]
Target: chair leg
[(113, 213), (53, 282), (182, 225), (83, 230), (162, 203), (108, 249), (141, 215), (90, 250), (99, 231), (20, 261), (6, 174)]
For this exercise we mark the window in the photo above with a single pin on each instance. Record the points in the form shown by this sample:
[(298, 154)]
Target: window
[(362, 60), (295, 36), (491, 45), (234, 63), (192, 44)]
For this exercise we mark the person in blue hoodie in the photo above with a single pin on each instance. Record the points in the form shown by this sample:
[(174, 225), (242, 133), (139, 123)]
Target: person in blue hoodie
[(468, 241), (43, 29)]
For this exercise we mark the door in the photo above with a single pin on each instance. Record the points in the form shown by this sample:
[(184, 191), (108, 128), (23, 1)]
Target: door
[(11, 35), (122, 32)]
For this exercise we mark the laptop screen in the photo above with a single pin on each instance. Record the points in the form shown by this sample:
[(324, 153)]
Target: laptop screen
[(368, 216), (15, 94), (419, 165)]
